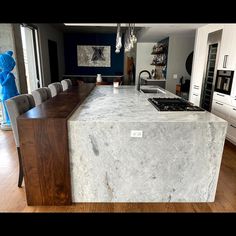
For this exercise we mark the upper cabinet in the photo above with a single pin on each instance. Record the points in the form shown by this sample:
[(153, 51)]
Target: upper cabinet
[(227, 53)]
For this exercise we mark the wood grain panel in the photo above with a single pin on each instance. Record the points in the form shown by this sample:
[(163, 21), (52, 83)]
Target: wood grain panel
[(44, 147)]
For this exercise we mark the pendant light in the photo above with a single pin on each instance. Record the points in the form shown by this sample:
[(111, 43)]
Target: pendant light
[(129, 39), (118, 39)]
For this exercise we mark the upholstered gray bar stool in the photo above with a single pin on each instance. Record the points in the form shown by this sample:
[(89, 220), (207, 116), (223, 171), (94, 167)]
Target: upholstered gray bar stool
[(41, 95), (66, 84), (55, 88), (16, 106)]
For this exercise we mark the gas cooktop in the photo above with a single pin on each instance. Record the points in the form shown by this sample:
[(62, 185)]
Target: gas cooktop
[(173, 104)]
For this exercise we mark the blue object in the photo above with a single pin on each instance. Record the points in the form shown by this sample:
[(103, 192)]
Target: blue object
[(8, 87)]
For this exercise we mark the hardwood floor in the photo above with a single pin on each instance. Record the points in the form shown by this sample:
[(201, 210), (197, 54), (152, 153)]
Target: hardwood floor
[(13, 199)]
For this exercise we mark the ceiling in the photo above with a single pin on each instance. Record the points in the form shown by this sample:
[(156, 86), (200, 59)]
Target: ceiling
[(147, 32), (92, 28), (160, 31)]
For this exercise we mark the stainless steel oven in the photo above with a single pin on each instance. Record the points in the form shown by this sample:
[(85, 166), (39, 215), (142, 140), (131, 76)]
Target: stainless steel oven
[(224, 79)]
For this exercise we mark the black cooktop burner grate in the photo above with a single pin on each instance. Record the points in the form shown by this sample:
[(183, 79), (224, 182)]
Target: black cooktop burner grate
[(173, 104)]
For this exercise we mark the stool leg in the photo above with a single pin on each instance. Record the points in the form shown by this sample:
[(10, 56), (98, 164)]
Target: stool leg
[(20, 180)]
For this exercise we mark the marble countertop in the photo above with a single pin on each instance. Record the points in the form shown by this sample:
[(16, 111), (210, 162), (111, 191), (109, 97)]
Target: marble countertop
[(93, 76), (126, 104)]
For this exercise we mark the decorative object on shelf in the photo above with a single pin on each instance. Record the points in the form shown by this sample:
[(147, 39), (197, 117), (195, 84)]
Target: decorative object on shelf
[(99, 78), (94, 55), (159, 74), (159, 48), (160, 51), (159, 60)]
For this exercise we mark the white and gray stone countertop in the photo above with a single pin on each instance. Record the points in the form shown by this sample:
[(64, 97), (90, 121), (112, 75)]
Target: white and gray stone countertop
[(126, 104), (177, 159)]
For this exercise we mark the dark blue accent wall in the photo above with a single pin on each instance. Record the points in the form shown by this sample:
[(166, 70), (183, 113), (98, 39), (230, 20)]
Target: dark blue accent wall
[(71, 40)]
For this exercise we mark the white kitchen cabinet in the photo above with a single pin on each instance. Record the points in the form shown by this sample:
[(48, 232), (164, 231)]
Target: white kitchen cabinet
[(227, 53), (220, 109), (233, 89), (195, 95), (228, 113), (195, 98), (233, 102), (232, 114), (221, 97), (231, 132)]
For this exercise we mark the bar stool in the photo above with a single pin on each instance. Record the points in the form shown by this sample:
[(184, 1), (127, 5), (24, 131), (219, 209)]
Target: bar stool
[(55, 88), (16, 106), (66, 84), (41, 95)]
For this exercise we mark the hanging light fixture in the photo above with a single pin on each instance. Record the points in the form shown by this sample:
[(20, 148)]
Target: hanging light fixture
[(129, 39), (118, 39)]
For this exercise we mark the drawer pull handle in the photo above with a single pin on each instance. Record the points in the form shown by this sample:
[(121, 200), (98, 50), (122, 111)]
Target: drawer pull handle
[(225, 61), (220, 95), (233, 126), (195, 94), (234, 109), (219, 103)]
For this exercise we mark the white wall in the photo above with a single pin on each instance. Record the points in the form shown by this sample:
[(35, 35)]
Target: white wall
[(47, 32), (144, 58), (179, 49)]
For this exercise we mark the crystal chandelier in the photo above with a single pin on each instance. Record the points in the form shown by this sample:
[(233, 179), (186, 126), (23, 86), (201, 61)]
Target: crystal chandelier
[(118, 39), (130, 38)]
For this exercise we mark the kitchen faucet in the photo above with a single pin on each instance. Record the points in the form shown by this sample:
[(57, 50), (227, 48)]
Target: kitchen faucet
[(139, 78)]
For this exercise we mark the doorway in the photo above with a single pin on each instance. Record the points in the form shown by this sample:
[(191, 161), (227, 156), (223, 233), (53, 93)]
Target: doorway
[(30, 43), (129, 66), (53, 61)]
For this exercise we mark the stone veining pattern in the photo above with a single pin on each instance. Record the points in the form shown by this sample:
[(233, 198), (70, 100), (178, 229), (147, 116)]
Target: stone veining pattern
[(177, 159)]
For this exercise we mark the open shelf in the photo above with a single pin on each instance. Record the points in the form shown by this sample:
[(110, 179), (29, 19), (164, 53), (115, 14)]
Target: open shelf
[(157, 64), (160, 52)]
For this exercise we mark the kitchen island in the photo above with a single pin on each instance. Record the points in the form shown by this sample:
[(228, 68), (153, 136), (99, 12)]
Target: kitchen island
[(122, 149)]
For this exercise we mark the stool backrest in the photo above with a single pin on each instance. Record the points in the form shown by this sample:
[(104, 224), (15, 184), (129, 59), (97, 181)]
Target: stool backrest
[(16, 106), (66, 84), (41, 95), (55, 88)]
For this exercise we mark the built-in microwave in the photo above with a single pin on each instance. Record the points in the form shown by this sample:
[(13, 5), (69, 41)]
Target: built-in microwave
[(224, 80)]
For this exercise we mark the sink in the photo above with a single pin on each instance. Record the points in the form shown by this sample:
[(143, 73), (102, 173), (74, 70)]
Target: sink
[(152, 91), (149, 90)]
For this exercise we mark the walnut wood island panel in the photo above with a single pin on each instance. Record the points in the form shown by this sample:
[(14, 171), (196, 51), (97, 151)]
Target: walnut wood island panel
[(43, 136)]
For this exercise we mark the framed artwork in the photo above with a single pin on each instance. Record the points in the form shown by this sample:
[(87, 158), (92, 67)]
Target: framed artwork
[(94, 55)]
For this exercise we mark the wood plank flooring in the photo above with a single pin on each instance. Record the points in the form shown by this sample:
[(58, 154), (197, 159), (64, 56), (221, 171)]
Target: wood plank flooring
[(13, 199)]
